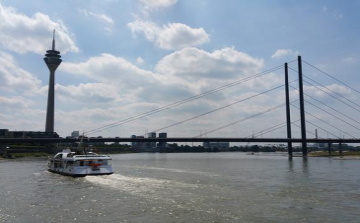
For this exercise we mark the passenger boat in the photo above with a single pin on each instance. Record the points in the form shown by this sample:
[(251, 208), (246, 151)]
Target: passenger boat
[(80, 164)]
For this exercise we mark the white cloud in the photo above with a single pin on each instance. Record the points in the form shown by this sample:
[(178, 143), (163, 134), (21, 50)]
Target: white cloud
[(87, 94), (158, 3), (23, 119), (101, 17), (139, 60), (349, 60), (15, 102), (284, 52), (122, 90), (334, 13), (21, 92), (15, 79), (109, 69), (326, 91), (117, 82), (22, 34), (178, 75), (171, 36), (149, 6), (114, 81), (192, 63)]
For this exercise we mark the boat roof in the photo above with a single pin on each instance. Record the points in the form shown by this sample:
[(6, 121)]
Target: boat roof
[(88, 157), (74, 156)]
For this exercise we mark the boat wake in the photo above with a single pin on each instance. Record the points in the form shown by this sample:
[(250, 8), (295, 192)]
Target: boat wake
[(152, 188), (5, 217), (138, 185), (175, 170), (167, 194)]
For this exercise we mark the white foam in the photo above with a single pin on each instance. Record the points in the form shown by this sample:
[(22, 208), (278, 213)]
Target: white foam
[(176, 170), (165, 191)]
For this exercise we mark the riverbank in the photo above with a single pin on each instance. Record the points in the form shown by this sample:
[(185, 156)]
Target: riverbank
[(334, 154), (23, 155), (45, 155)]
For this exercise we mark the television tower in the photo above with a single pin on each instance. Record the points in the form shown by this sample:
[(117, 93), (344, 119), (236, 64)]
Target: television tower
[(52, 60)]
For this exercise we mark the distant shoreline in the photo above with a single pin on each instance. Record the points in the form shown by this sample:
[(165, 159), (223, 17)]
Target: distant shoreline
[(334, 154), (24, 155)]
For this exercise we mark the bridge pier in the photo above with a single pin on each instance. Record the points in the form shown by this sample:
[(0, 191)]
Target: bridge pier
[(4, 150), (340, 149), (329, 148)]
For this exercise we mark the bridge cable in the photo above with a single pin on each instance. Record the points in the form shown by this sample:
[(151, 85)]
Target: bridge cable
[(318, 128), (215, 110), (183, 101), (333, 96), (244, 119), (306, 130), (275, 127), (332, 91), (329, 114), (330, 76), (268, 130), (325, 121), (330, 94), (339, 112), (323, 130), (331, 109), (333, 115)]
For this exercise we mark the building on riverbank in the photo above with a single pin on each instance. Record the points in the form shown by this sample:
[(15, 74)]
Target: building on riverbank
[(220, 146), (5, 133)]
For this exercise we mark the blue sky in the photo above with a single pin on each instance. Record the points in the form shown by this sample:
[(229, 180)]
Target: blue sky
[(122, 58)]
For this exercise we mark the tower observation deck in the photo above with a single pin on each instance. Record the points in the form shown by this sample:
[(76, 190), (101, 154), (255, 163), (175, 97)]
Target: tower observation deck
[(52, 60)]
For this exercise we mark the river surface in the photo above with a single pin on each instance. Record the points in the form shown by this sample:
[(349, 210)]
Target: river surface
[(185, 187)]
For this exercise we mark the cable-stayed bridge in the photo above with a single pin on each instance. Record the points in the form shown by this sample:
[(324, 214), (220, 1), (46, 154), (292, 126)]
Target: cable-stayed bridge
[(347, 121)]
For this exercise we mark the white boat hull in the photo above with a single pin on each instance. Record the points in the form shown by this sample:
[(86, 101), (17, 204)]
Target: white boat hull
[(82, 171), (69, 164)]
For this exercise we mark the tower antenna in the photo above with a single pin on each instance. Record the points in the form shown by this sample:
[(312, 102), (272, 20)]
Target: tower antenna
[(53, 42)]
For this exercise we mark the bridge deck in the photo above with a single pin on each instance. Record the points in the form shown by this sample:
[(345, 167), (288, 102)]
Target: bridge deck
[(180, 139)]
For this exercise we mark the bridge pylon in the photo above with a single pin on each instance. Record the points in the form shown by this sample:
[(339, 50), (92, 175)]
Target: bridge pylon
[(302, 109)]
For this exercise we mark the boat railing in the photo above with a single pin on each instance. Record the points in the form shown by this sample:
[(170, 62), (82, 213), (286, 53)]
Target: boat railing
[(87, 156)]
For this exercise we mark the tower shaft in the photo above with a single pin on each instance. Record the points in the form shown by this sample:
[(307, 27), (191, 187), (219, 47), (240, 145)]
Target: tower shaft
[(50, 111), (52, 60)]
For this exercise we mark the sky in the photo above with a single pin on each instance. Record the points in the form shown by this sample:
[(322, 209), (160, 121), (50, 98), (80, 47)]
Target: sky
[(128, 63)]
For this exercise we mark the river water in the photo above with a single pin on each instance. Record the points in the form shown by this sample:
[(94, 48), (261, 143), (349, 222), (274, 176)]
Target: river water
[(186, 187)]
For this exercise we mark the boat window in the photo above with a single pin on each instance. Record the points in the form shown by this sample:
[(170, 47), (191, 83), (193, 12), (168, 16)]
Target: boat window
[(58, 156)]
